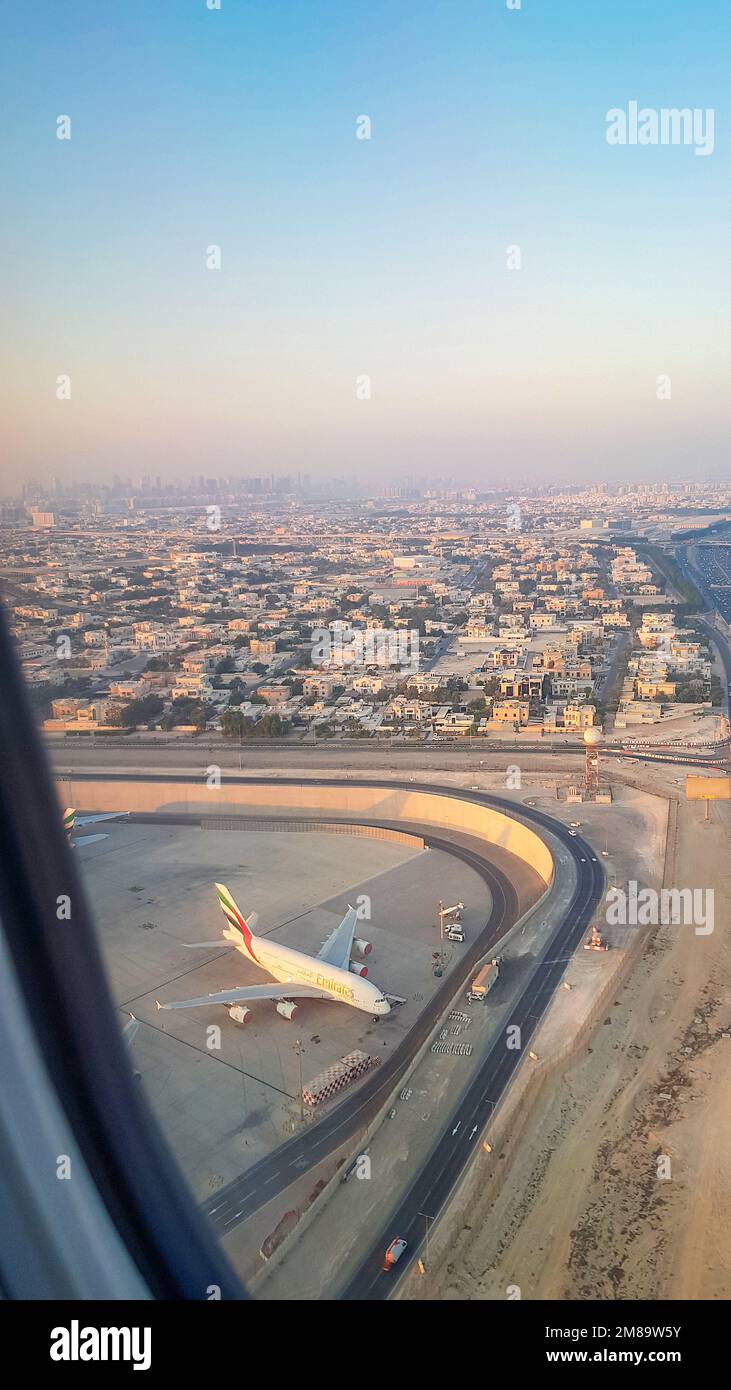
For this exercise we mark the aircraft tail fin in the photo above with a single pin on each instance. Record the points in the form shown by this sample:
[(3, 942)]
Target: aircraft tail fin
[(69, 820), (236, 918)]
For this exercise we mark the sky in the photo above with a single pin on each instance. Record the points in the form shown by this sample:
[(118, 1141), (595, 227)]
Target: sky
[(345, 259)]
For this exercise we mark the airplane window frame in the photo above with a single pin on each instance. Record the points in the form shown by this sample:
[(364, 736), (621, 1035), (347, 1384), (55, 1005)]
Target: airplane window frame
[(59, 972)]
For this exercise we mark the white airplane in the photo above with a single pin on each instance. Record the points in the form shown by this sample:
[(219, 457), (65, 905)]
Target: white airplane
[(329, 975), (72, 822)]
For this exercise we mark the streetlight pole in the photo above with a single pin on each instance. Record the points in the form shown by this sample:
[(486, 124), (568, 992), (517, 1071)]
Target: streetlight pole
[(298, 1045), (427, 1219)]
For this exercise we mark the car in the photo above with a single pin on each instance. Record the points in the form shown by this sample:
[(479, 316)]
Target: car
[(531, 803), (394, 1252), (572, 832), (576, 824)]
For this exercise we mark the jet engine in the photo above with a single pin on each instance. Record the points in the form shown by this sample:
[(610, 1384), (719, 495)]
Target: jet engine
[(358, 969), (363, 948), (287, 1008), (239, 1013)]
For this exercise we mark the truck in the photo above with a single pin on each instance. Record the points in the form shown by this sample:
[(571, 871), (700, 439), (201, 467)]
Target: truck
[(484, 980)]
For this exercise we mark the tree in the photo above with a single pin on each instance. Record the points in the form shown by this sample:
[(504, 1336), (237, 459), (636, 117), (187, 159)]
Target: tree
[(42, 695), (271, 726), (491, 686), (198, 716), (136, 712), (186, 710), (234, 724)]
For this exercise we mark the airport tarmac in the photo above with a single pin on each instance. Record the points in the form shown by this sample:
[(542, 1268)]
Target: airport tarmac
[(225, 1096)]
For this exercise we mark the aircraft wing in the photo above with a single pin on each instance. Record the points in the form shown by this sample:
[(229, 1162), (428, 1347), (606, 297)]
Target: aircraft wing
[(108, 815), (336, 950), (88, 840), (249, 992)]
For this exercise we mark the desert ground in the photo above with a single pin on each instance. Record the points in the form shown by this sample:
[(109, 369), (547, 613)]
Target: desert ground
[(582, 1212)]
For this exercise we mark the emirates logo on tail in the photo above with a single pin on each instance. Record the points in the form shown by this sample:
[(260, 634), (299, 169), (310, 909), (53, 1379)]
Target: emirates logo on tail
[(236, 919)]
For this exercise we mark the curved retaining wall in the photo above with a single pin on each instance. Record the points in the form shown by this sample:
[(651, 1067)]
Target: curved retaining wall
[(320, 827), (446, 811)]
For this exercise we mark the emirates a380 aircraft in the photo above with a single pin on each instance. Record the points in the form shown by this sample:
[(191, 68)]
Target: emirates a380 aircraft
[(329, 975), (72, 822)]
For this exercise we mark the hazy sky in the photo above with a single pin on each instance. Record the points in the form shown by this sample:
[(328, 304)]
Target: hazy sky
[(345, 257)]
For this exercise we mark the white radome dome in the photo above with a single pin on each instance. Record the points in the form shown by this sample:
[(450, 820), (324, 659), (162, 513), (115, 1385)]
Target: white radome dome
[(592, 737)]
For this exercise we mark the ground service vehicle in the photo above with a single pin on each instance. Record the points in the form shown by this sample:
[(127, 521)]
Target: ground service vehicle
[(484, 980)]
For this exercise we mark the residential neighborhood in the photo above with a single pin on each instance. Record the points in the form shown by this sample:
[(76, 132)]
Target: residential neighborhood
[(428, 617)]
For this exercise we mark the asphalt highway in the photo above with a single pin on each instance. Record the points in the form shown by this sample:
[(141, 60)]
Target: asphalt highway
[(461, 1137)]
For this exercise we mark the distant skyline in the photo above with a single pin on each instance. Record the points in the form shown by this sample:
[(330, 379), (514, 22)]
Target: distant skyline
[(343, 259)]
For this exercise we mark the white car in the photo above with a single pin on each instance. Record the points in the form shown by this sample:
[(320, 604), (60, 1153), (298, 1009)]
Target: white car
[(394, 1252), (572, 832)]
